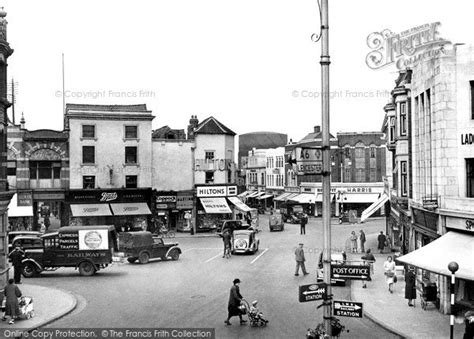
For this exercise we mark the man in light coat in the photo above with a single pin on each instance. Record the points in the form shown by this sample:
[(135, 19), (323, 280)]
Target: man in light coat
[(300, 259)]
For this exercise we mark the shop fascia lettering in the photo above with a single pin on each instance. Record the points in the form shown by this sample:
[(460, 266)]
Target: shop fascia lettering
[(213, 164), (216, 191), (467, 139), (348, 190)]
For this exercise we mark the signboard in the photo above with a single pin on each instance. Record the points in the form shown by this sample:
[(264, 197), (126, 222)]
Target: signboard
[(93, 239), (312, 292), (216, 191), (166, 201), (309, 160), (348, 309), (354, 272), (166, 198), (24, 198), (104, 196), (185, 202), (430, 203)]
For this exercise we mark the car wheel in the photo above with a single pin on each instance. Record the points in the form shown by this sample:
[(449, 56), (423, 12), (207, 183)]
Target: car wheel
[(144, 258), (174, 254), (29, 270), (86, 268), (131, 260)]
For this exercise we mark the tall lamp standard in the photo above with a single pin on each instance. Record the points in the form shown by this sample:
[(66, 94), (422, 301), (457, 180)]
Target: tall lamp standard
[(453, 267)]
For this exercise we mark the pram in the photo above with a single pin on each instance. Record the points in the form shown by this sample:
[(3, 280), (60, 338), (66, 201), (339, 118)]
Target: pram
[(255, 319), (26, 308)]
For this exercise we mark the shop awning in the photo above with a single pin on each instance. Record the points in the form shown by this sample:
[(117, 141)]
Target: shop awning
[(131, 208), (19, 211), (304, 198), (91, 210), (215, 205), (244, 194), (319, 197), (265, 196), (358, 198), (239, 204), (374, 207), (282, 197), (435, 257), (253, 194)]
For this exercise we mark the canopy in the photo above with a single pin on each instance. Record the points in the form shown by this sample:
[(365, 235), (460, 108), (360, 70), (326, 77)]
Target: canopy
[(90, 210), (133, 208), (374, 207), (215, 205), (265, 196), (304, 198), (282, 197), (254, 194), (19, 211), (435, 257), (244, 194), (239, 204), (358, 197), (319, 197)]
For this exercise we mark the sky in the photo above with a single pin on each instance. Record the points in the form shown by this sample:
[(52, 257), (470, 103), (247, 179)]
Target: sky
[(250, 64)]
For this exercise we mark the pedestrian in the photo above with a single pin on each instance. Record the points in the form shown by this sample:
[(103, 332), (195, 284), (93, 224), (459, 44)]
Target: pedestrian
[(388, 242), (12, 293), (235, 299), (368, 258), (381, 239), (362, 240), (248, 218), (389, 267), (227, 243), (353, 239), (469, 323), (47, 222), (410, 289), (303, 222), (300, 259), (16, 256)]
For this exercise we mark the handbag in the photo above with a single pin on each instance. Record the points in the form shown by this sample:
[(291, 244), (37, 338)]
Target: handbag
[(394, 278), (243, 309), (389, 274)]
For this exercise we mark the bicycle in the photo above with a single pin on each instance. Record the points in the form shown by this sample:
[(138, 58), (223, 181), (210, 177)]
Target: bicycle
[(165, 233)]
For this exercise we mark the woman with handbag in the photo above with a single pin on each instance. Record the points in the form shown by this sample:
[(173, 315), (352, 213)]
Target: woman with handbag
[(389, 268), (235, 299)]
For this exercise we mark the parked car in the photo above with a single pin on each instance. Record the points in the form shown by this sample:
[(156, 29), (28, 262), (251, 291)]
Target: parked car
[(142, 246), (245, 241), (13, 234), (26, 242), (292, 213), (87, 248), (275, 222)]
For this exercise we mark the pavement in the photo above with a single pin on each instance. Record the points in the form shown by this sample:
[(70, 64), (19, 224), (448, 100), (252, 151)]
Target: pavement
[(391, 311)]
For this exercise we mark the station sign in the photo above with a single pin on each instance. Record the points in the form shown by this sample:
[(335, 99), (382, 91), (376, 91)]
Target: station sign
[(312, 292), (308, 160), (348, 309), (353, 272)]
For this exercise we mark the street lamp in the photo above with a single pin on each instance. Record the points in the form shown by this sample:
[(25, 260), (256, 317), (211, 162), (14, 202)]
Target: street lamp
[(453, 267)]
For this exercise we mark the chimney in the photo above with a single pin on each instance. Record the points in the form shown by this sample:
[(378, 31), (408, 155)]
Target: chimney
[(317, 129), (193, 123), (22, 121)]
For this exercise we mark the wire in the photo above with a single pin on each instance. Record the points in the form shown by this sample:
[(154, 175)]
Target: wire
[(316, 37)]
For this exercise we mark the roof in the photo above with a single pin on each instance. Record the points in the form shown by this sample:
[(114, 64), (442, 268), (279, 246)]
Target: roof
[(314, 135), (45, 134), (85, 228), (107, 108), (166, 132), (212, 126)]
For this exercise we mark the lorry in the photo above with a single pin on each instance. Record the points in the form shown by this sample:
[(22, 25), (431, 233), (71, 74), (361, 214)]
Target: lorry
[(86, 248)]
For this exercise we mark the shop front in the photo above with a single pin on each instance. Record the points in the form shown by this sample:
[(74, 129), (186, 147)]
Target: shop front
[(212, 205), (173, 210), (49, 208), (20, 212), (126, 209)]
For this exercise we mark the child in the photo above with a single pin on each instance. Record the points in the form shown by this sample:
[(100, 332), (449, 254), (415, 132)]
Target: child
[(256, 313)]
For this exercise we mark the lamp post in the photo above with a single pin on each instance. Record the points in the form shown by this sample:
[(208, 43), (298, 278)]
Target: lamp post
[(453, 267)]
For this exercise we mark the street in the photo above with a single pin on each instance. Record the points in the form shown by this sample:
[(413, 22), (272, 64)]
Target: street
[(193, 291)]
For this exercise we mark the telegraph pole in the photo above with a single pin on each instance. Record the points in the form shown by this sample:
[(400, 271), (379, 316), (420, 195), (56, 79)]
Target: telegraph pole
[(326, 171)]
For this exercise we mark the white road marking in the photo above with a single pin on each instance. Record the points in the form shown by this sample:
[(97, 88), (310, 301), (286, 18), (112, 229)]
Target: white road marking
[(214, 257), (201, 248), (254, 260)]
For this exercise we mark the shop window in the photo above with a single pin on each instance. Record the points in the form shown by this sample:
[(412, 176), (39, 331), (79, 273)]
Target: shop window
[(403, 119), (470, 177), (131, 132), (403, 178), (471, 83), (88, 181), (88, 154), (209, 177), (45, 170), (131, 155), (11, 167), (131, 181), (88, 131), (209, 155)]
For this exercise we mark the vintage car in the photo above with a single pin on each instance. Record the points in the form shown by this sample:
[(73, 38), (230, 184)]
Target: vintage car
[(26, 242), (292, 213), (142, 246), (87, 248), (336, 258), (275, 222), (245, 241)]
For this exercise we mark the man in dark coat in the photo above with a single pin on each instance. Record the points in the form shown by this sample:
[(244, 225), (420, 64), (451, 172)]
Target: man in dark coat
[(235, 299), (300, 259), (369, 258), (381, 239), (410, 289), (226, 237), (12, 293), (16, 257), (303, 222)]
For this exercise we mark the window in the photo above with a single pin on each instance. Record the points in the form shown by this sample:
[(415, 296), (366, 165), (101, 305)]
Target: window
[(209, 155), (373, 174), (373, 151), (11, 167), (403, 178), (45, 170), (88, 181), (131, 181), (392, 129), (360, 175), (130, 155), (88, 154), (470, 177), (131, 132), (263, 179), (209, 177), (403, 119), (347, 174), (88, 131), (471, 83)]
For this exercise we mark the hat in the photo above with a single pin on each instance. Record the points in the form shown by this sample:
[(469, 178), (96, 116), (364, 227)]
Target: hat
[(254, 302), (236, 281)]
